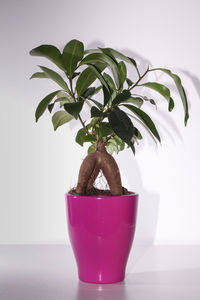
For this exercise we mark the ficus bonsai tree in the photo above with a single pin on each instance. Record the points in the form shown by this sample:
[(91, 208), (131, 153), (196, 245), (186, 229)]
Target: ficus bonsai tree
[(113, 122)]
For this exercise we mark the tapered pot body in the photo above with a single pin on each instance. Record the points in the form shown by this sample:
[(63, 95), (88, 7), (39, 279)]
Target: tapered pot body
[(101, 230)]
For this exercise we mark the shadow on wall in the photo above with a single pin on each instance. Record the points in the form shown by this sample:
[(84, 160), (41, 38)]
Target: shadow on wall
[(195, 80), (148, 206)]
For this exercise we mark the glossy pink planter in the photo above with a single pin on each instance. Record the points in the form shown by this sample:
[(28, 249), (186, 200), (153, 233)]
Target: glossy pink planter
[(101, 230)]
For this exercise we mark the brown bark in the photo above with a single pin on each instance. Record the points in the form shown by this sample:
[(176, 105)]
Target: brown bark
[(89, 170)]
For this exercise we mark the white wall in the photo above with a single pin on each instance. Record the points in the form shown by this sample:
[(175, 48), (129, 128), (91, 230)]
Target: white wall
[(39, 165)]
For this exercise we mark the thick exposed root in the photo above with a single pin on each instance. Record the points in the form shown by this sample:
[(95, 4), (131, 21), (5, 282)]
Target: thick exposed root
[(111, 172), (86, 170), (93, 177), (89, 170)]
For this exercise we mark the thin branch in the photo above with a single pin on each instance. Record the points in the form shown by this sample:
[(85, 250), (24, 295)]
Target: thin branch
[(139, 79)]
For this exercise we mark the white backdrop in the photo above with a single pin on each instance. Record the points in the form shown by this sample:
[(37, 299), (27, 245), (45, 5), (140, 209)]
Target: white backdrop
[(39, 165)]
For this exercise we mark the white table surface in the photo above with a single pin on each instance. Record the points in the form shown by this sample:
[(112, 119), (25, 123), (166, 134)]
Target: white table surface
[(48, 272)]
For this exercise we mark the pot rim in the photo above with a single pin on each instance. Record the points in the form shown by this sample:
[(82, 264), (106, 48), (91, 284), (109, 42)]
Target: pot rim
[(100, 197)]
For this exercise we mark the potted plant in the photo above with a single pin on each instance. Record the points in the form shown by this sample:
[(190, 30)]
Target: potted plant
[(101, 223)]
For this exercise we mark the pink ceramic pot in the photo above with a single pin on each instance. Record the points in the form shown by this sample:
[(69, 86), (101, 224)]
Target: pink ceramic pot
[(101, 230)]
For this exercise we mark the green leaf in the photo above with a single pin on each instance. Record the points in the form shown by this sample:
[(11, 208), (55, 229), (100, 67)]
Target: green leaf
[(171, 104), (74, 108), (97, 72), (110, 81), (83, 137), (39, 75), (112, 93), (86, 78), (75, 74), (122, 72), (114, 145), (102, 58), (105, 130), (50, 107), (66, 98), (43, 104), (125, 95), (121, 124), (180, 88), (106, 96), (160, 88), (144, 118), (129, 82), (50, 52), (119, 55), (119, 142), (163, 90), (91, 149), (137, 133), (135, 100), (72, 53), (61, 117), (98, 104), (61, 100), (98, 89), (95, 112), (89, 92), (132, 147), (55, 77)]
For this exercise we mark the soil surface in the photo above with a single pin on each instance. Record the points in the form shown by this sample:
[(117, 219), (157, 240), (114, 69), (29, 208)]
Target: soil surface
[(98, 192)]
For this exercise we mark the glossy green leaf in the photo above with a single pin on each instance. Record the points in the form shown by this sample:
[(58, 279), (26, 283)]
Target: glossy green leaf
[(112, 93), (160, 88), (105, 130), (97, 72), (72, 53), (75, 74), (55, 77), (137, 133), (95, 112), (107, 96), (67, 98), (91, 149), (102, 58), (44, 104), (119, 142), (125, 95), (119, 55), (61, 100), (122, 72), (98, 89), (89, 92), (171, 104), (129, 82), (82, 137), (121, 124), (50, 52), (163, 90), (61, 117), (112, 142), (180, 88), (86, 78), (74, 108), (135, 100), (39, 75), (132, 147), (110, 81), (144, 118), (98, 104)]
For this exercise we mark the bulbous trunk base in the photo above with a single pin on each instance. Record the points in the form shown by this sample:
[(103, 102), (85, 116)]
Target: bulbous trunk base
[(90, 168)]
